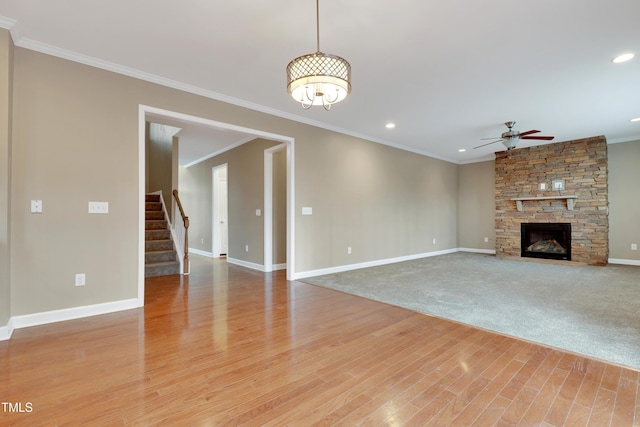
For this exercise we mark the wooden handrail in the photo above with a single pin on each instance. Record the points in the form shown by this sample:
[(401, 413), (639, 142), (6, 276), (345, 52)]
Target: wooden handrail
[(185, 221)]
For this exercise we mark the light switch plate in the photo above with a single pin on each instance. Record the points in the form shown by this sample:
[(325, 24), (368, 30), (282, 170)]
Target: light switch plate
[(98, 207), (307, 211)]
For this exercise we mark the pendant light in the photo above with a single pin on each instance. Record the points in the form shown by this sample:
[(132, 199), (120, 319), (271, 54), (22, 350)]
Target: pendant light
[(318, 78)]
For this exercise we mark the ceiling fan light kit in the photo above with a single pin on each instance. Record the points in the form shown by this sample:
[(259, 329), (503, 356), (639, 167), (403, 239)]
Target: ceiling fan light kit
[(318, 78), (511, 137)]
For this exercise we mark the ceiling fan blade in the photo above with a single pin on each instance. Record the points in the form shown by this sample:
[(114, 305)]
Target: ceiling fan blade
[(529, 132), (543, 138), (488, 143), (483, 139)]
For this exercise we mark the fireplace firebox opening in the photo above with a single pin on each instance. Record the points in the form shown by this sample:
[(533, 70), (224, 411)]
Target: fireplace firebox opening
[(546, 240)]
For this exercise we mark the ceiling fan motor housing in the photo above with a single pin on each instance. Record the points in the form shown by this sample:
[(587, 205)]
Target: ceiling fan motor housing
[(510, 133)]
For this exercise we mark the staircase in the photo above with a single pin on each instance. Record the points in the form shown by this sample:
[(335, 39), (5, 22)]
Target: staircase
[(160, 257)]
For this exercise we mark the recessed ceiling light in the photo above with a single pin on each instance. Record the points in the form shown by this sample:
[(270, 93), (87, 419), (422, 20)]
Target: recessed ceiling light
[(462, 150), (390, 125), (623, 58), (637, 119)]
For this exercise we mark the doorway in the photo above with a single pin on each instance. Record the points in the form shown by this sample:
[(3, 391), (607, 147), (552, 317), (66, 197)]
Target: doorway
[(275, 208), (219, 210), (148, 113)]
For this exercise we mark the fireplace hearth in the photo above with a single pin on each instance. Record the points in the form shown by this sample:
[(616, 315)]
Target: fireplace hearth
[(546, 240)]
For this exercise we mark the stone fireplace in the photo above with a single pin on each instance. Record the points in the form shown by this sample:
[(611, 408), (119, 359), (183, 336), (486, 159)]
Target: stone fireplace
[(560, 183)]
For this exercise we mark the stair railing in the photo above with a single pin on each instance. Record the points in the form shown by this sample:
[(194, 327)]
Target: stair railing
[(182, 233)]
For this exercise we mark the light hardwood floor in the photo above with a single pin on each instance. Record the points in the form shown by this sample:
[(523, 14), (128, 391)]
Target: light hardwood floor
[(230, 346)]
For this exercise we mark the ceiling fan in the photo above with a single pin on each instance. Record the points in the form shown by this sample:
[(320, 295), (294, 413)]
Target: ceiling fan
[(511, 137)]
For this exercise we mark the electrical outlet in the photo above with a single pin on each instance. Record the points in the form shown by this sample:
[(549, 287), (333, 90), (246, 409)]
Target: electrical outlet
[(349, 250), (246, 248), (486, 240), (434, 241), (634, 246), (80, 279), (36, 206)]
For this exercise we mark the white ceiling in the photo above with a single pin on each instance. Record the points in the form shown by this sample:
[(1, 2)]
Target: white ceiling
[(447, 73)]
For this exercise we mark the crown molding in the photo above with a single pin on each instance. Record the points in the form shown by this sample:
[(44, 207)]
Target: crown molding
[(626, 139), (7, 23), (152, 78)]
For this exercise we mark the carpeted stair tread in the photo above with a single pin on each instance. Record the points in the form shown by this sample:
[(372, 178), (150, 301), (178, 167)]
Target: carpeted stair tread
[(159, 224), (157, 234), (161, 258), (153, 206), (162, 269), (158, 245), (153, 215), (154, 257)]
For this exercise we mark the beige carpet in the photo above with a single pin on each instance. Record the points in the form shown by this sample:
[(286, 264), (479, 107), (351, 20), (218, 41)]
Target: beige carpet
[(594, 311)]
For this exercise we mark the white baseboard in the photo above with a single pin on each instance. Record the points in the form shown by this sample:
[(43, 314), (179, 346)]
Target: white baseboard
[(342, 268), (199, 252), (624, 261), (247, 264), (6, 331), (35, 319), (279, 267), (478, 251)]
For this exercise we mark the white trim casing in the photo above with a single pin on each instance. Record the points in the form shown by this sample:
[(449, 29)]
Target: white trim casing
[(348, 267), (247, 264), (268, 203), (46, 317), (624, 261), (478, 251), (144, 112), (200, 252), (6, 331), (142, 179)]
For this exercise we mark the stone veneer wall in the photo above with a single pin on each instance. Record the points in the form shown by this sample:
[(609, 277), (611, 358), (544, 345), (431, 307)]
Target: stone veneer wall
[(582, 164)]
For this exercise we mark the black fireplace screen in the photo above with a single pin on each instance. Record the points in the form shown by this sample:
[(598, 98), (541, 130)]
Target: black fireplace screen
[(546, 240)]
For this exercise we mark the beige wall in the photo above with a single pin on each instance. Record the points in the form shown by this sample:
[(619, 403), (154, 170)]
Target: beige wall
[(195, 195), (624, 200), (245, 187), (477, 206), (6, 90), (380, 201), (159, 161), (74, 134)]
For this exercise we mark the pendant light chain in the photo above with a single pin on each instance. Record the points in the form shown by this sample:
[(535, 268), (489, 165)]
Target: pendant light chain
[(318, 26)]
